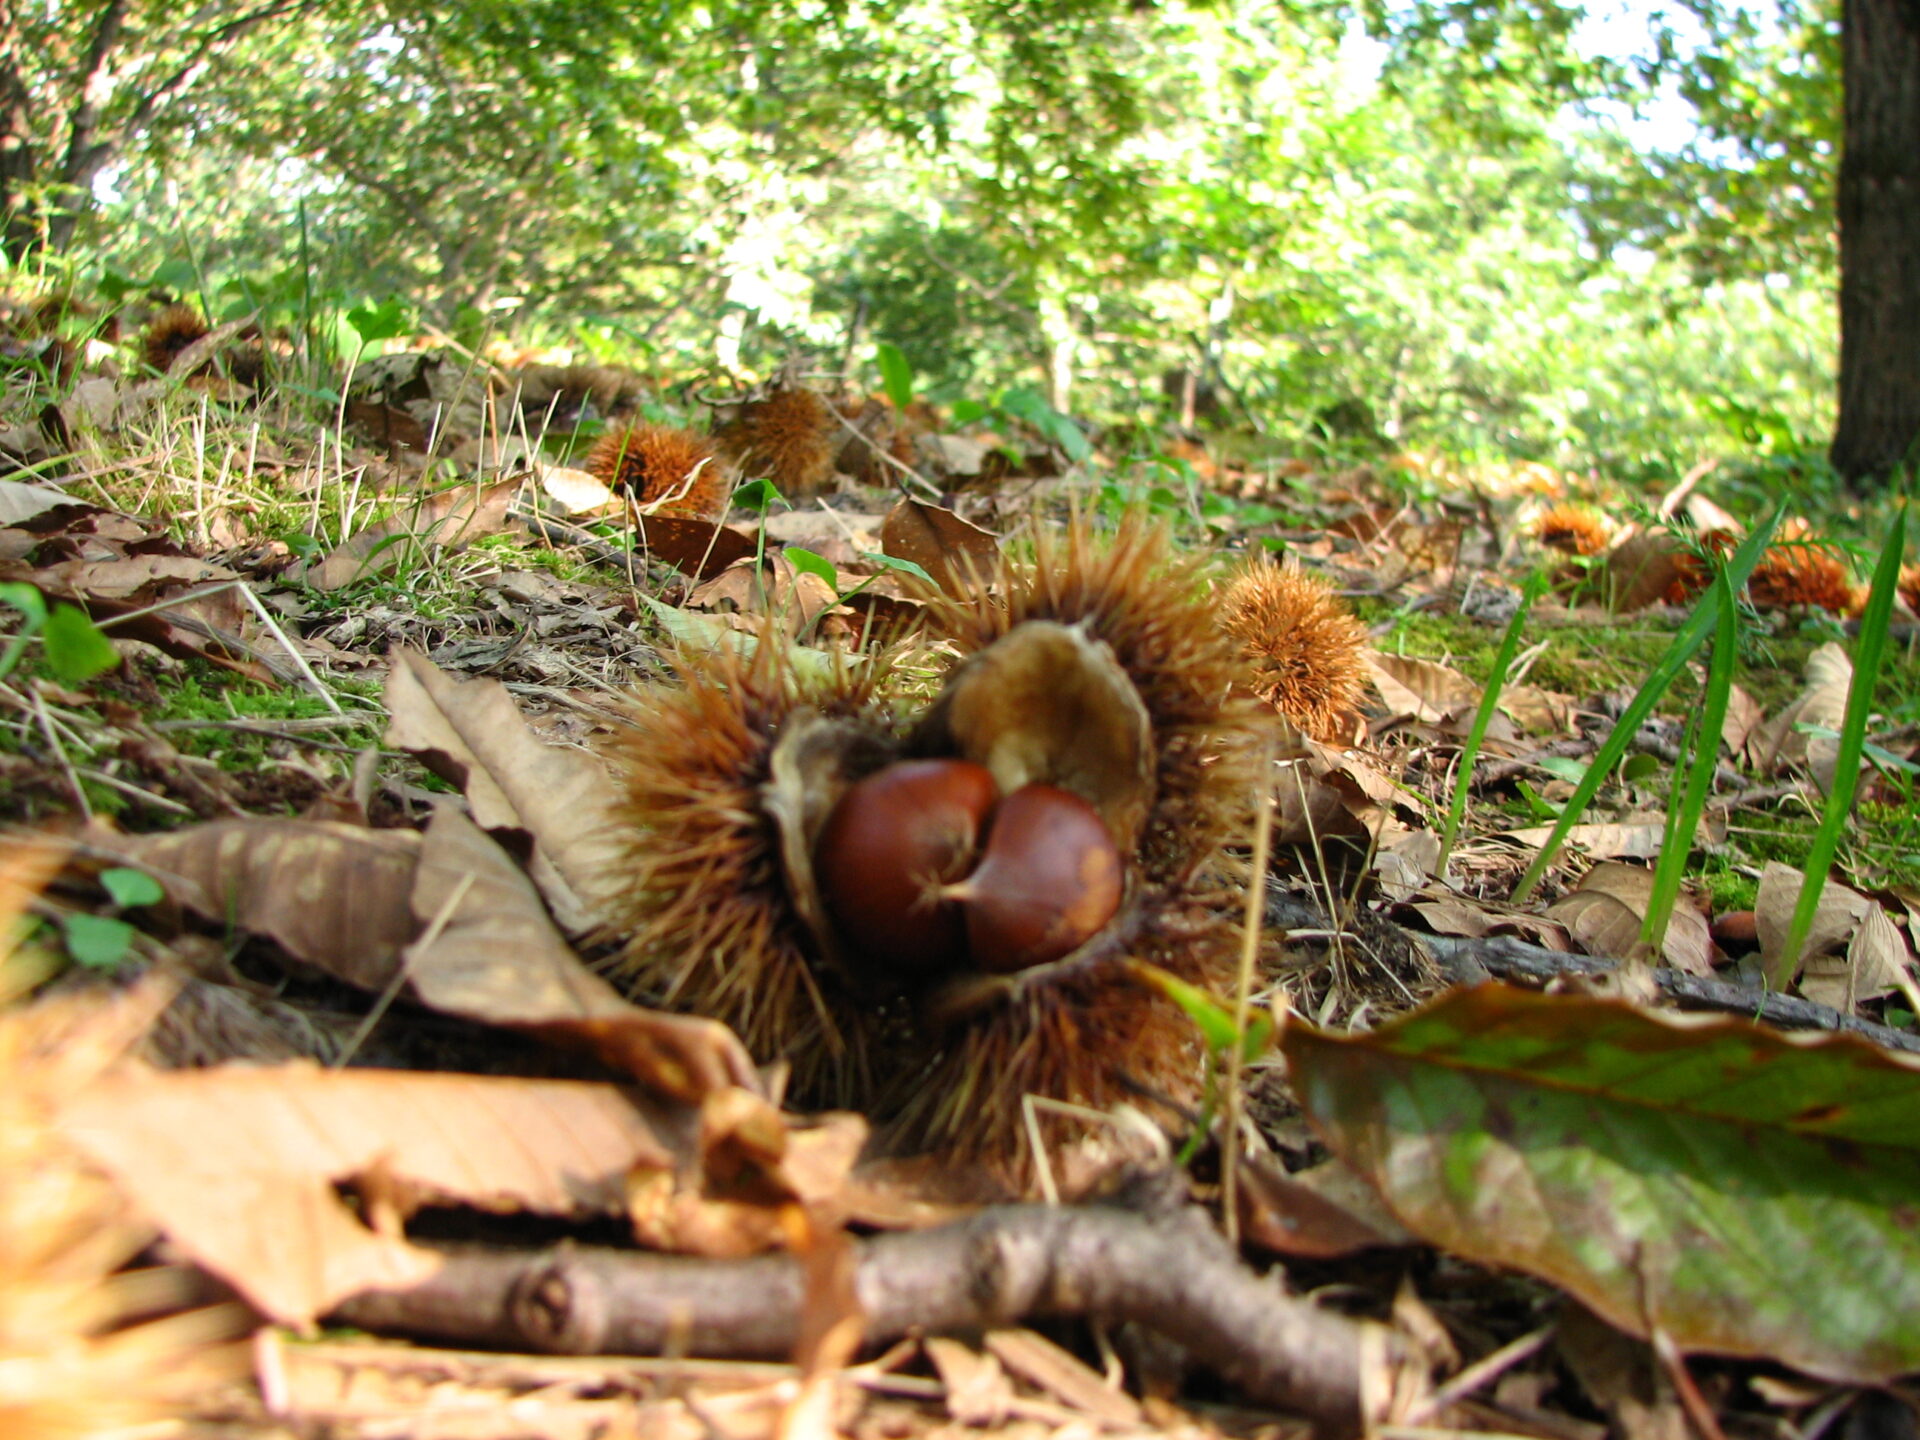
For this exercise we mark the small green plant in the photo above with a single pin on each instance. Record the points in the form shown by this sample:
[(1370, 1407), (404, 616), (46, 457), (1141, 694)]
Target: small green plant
[(1705, 617), (1693, 778), (103, 942), (71, 644), (1218, 1033)]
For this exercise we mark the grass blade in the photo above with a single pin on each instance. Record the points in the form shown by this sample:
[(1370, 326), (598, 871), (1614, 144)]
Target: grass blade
[(1489, 700), (1705, 616), (1691, 791), (1853, 735)]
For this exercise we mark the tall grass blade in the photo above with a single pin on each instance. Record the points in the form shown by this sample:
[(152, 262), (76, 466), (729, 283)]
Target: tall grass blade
[(1489, 701), (1690, 790), (1853, 736), (1705, 616)]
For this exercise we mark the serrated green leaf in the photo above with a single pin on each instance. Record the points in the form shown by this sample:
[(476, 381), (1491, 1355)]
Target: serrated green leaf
[(76, 650), (895, 373), (98, 942), (130, 887), (1746, 1192)]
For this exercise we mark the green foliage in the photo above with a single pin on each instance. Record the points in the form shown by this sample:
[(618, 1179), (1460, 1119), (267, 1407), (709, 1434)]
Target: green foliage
[(1708, 1181), (72, 647)]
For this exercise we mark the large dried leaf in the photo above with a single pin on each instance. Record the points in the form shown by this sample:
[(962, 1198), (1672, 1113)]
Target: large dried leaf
[(1424, 689), (1821, 705), (489, 952), (1745, 1192), (471, 734), (699, 548), (1836, 918), (958, 554), (239, 1164), (1606, 910), (335, 895)]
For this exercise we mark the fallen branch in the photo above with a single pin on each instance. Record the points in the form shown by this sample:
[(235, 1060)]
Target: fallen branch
[(1467, 959), (1175, 1276)]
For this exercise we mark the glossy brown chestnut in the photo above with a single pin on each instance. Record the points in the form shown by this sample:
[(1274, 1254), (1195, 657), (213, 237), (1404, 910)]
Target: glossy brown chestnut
[(1049, 880), (887, 849)]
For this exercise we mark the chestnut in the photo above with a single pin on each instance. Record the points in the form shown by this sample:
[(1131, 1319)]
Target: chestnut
[(887, 850), (1048, 881)]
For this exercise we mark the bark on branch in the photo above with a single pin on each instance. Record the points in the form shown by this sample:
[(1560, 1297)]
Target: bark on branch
[(1174, 1275)]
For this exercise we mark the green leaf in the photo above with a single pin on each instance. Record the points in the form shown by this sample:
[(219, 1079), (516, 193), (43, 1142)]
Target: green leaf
[(131, 887), (1713, 1179), (1636, 768), (26, 599), (1563, 766), (1214, 1020), (812, 564), (757, 495), (965, 412), (894, 562), (98, 942), (380, 322), (76, 650), (895, 373)]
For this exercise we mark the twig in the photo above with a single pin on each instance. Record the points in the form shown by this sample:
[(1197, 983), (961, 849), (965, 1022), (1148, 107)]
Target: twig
[(1173, 1275), (1470, 959)]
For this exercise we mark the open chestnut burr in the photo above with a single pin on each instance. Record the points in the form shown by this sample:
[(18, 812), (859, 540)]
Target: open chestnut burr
[(934, 915)]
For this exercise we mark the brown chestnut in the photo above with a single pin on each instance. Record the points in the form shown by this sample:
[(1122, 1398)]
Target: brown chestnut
[(1049, 880), (887, 849)]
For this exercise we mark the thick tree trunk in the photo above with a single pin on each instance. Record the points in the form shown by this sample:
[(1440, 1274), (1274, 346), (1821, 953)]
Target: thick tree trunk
[(1879, 425)]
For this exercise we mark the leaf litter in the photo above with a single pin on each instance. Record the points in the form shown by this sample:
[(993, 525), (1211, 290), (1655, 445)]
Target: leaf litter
[(472, 922)]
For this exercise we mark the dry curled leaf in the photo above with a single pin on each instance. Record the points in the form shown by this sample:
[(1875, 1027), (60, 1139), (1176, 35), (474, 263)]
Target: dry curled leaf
[(471, 734)]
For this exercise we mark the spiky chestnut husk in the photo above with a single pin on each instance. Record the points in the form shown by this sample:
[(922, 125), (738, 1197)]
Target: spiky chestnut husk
[(1306, 651), (1154, 611), (172, 330), (710, 924), (667, 471), (1801, 572), (789, 435), (1086, 1029), (1572, 530)]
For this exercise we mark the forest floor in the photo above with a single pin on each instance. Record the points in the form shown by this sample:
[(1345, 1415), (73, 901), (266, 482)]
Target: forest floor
[(322, 1121)]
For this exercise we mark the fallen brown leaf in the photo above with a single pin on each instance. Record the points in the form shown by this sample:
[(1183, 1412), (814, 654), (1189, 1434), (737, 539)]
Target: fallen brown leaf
[(471, 734), (956, 553), (239, 1164)]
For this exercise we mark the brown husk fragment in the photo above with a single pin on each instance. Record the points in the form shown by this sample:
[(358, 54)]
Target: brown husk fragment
[(712, 924)]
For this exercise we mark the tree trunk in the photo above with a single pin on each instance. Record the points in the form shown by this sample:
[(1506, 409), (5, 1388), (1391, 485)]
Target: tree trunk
[(18, 162), (1879, 422)]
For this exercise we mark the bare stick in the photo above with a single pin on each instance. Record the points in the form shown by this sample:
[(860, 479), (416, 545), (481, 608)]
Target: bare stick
[(1172, 1274)]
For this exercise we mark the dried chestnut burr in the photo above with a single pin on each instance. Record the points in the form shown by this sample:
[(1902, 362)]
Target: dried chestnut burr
[(932, 915)]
